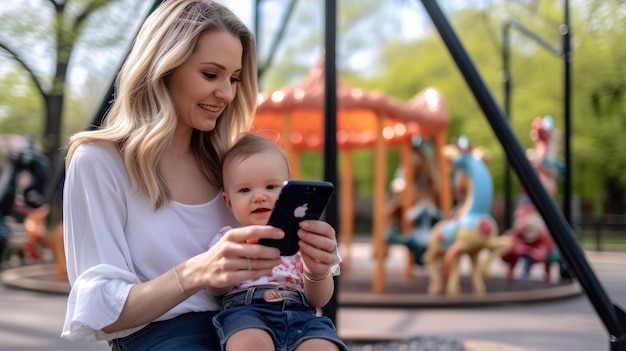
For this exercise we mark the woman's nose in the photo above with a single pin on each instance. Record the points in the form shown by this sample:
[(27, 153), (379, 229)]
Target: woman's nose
[(225, 91)]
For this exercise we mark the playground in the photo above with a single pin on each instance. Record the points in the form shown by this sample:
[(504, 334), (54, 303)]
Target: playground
[(436, 247), (563, 323)]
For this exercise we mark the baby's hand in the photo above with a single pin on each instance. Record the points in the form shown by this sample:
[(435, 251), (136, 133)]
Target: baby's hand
[(318, 246)]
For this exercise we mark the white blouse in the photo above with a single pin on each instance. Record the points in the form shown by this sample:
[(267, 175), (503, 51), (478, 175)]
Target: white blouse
[(114, 239)]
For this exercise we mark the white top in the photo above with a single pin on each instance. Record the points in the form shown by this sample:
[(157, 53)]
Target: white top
[(289, 273), (114, 239)]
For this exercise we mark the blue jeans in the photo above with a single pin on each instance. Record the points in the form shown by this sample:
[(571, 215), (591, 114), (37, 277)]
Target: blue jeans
[(289, 320), (190, 332)]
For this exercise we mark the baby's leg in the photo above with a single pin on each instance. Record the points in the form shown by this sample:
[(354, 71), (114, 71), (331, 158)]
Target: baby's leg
[(250, 339), (317, 345)]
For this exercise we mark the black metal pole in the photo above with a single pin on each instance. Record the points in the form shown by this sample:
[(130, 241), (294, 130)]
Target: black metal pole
[(257, 36), (257, 24), (567, 178), (506, 78), (564, 52), (558, 226), (330, 131)]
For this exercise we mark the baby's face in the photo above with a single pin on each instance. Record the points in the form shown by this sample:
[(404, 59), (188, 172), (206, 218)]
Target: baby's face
[(252, 185)]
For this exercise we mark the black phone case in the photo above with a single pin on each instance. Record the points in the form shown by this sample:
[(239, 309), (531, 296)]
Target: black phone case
[(298, 200)]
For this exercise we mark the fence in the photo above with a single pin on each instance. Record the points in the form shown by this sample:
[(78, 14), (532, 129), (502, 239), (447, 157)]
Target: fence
[(602, 233)]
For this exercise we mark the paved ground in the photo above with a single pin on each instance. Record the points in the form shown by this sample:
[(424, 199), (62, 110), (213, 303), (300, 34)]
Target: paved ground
[(567, 324), (32, 320)]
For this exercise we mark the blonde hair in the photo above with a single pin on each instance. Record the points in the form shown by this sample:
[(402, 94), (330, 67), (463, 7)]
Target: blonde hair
[(250, 144), (142, 118)]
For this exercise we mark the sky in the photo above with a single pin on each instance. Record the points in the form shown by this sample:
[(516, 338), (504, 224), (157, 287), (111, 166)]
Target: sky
[(409, 13), (412, 28)]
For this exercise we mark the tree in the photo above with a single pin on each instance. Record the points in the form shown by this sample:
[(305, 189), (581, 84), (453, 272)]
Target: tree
[(600, 104), (57, 26), (20, 109)]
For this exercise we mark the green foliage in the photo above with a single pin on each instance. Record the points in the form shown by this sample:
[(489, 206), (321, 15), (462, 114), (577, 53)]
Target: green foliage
[(370, 55), (23, 107)]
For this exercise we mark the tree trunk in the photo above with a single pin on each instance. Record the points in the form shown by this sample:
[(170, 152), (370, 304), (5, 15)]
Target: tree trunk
[(52, 131), (615, 198)]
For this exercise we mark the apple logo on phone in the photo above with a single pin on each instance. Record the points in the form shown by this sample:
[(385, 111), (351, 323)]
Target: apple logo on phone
[(300, 211)]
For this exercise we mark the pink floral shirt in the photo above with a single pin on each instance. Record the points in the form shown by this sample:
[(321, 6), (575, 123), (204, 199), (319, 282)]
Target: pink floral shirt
[(289, 273)]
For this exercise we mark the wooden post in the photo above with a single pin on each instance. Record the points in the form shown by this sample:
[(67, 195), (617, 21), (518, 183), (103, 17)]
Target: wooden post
[(292, 155), (445, 188), (379, 220), (406, 158), (347, 209)]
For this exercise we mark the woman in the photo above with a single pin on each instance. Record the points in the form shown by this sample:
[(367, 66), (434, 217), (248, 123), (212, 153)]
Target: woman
[(141, 195)]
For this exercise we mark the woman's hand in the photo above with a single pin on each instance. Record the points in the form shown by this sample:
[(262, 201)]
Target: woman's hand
[(235, 258), (318, 246)]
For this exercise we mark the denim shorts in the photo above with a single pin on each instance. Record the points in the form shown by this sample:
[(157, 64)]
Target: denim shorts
[(190, 331), (289, 321)]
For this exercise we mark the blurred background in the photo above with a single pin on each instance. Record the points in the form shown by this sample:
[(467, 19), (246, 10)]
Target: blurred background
[(58, 58)]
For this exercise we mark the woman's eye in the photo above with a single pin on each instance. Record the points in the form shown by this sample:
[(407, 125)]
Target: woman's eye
[(209, 75), (235, 80)]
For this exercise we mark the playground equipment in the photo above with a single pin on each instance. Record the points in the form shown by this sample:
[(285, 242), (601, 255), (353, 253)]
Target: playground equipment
[(531, 241), (469, 231), (364, 120)]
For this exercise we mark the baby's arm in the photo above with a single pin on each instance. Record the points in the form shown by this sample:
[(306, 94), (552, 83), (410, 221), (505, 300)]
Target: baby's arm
[(318, 291), (318, 247)]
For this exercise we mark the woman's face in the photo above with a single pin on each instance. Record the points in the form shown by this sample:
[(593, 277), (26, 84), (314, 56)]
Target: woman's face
[(206, 83)]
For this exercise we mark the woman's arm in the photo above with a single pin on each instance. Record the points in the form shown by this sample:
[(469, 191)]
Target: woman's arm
[(217, 270)]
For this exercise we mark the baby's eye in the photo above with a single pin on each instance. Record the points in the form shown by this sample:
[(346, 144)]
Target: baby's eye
[(273, 187), (243, 190)]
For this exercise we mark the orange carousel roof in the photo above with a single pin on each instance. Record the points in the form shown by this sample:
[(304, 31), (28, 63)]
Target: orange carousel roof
[(298, 109)]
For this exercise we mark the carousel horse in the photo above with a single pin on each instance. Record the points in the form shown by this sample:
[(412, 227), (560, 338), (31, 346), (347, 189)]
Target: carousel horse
[(471, 229), (531, 242)]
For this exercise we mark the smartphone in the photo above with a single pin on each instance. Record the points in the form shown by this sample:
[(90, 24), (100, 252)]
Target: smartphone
[(298, 200)]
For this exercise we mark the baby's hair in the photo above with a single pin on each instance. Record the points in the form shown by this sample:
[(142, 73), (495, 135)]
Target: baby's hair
[(247, 145)]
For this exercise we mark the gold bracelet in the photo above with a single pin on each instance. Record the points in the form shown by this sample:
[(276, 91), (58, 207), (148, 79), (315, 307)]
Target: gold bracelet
[(180, 284), (318, 280)]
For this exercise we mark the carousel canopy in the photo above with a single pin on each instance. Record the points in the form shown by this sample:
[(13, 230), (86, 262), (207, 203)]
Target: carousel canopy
[(297, 111)]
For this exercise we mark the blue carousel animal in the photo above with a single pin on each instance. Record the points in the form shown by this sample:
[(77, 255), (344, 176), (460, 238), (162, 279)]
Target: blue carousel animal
[(471, 230)]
